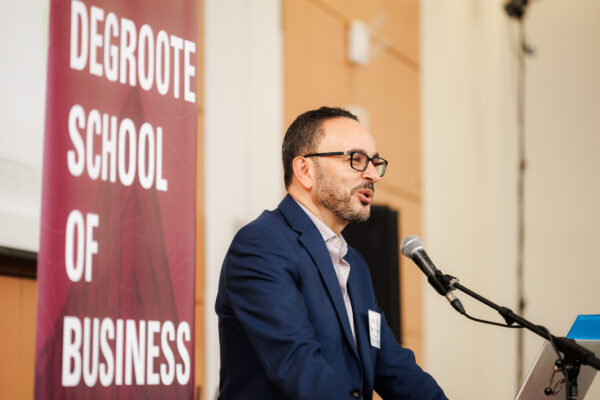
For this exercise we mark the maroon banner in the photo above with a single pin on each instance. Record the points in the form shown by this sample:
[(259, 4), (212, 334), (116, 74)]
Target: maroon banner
[(115, 313)]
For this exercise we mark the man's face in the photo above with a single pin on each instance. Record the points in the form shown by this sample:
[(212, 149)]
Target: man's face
[(338, 188)]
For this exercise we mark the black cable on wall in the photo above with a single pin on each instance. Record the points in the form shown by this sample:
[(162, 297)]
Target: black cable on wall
[(516, 9)]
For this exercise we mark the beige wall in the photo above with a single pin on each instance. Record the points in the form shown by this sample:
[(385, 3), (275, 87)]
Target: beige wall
[(243, 114), (23, 80), (470, 170), (201, 303)]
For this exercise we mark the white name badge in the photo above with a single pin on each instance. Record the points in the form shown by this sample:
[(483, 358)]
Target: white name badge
[(375, 328)]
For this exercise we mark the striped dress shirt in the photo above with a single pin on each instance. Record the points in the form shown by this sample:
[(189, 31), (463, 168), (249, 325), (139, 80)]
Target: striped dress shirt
[(337, 247)]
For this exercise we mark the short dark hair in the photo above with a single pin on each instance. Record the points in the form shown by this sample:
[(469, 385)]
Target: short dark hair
[(304, 135)]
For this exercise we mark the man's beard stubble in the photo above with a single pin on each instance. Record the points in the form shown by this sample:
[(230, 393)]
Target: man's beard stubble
[(333, 197)]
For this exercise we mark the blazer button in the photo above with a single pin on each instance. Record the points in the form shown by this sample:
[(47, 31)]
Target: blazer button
[(355, 393)]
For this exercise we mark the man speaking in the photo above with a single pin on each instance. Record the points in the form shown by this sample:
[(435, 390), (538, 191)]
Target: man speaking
[(298, 318)]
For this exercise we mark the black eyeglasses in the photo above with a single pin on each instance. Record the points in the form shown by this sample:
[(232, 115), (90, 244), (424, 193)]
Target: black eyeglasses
[(358, 160)]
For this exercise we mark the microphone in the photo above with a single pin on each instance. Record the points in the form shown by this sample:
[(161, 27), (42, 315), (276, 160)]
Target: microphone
[(412, 247)]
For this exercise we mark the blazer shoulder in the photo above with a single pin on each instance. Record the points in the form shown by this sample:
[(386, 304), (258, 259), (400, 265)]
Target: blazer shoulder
[(288, 217), (269, 231), (267, 223)]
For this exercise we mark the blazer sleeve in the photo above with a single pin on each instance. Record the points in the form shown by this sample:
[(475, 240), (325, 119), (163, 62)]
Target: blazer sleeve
[(260, 275), (397, 375)]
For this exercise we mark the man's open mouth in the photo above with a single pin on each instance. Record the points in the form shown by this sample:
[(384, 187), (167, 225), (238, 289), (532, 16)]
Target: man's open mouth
[(365, 196)]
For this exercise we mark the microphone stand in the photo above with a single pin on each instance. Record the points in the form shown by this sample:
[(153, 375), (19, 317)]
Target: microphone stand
[(574, 354)]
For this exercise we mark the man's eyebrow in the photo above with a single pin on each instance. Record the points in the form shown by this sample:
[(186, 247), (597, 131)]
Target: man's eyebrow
[(376, 155)]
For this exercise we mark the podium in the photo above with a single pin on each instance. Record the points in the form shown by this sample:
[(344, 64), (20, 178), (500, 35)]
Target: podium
[(545, 381)]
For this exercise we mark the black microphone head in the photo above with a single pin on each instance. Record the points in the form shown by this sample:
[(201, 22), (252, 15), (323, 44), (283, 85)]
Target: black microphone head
[(410, 244)]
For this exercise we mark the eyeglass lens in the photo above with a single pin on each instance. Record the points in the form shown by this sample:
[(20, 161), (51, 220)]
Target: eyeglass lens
[(360, 161)]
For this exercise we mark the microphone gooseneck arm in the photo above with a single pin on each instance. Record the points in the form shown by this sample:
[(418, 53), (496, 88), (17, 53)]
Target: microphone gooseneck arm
[(574, 354), (568, 346)]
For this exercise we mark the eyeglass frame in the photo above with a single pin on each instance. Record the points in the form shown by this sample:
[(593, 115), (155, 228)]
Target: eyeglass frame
[(351, 153)]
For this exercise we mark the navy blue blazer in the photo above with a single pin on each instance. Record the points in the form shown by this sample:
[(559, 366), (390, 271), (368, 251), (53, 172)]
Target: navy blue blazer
[(284, 331)]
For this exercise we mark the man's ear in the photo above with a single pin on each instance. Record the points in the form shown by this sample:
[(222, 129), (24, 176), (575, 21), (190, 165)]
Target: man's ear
[(303, 171)]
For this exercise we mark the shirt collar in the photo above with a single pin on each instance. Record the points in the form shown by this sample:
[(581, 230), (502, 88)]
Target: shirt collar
[(326, 232)]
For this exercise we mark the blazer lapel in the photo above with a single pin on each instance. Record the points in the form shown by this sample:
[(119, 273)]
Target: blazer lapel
[(313, 242), (360, 323)]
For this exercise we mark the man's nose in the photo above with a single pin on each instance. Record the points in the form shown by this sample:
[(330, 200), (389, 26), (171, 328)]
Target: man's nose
[(371, 173)]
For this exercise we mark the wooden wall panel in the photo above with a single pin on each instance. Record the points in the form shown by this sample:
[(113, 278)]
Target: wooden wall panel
[(389, 90), (316, 70), (396, 22), (17, 337), (317, 73)]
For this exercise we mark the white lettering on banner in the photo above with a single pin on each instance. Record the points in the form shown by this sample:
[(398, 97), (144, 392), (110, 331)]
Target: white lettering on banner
[(109, 148), (75, 263), (102, 351), (146, 69), (122, 149), (127, 50), (163, 70), (146, 144), (96, 16), (111, 53), (88, 352), (95, 30), (126, 171), (79, 30), (107, 369), (75, 159), (119, 353), (183, 370), (167, 372), (135, 345), (189, 70), (177, 44), (71, 351), (153, 352), (93, 127), (90, 367)]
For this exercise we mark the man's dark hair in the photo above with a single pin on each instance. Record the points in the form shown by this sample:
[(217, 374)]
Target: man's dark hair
[(304, 135)]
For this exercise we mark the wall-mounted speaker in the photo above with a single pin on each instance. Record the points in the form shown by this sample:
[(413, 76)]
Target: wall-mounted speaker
[(377, 241)]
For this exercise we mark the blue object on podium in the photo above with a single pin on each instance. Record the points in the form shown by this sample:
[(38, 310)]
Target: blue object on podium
[(585, 327), (543, 377)]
